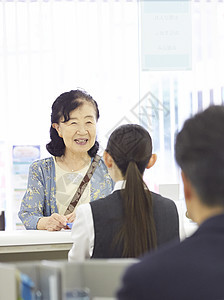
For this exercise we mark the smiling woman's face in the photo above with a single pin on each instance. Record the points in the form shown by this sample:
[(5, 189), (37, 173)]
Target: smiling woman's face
[(79, 133)]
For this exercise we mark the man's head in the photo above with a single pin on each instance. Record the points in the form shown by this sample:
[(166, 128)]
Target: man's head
[(199, 151)]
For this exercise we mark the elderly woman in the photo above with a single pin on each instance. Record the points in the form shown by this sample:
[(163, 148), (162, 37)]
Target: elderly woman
[(74, 174)]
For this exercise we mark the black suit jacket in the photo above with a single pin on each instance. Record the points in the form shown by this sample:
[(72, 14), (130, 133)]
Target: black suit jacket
[(191, 270), (108, 214)]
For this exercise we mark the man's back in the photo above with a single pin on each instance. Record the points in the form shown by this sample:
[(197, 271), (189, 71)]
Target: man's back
[(191, 270)]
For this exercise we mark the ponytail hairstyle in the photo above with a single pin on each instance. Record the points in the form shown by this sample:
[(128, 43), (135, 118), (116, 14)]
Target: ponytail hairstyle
[(130, 146), (61, 108)]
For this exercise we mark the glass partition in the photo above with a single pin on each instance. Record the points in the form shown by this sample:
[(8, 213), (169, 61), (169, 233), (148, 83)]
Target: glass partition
[(150, 62)]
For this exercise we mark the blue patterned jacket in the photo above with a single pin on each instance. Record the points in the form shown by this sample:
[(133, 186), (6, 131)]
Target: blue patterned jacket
[(40, 197)]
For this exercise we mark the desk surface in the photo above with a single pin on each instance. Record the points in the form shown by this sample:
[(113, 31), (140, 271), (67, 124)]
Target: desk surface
[(34, 244), (34, 237)]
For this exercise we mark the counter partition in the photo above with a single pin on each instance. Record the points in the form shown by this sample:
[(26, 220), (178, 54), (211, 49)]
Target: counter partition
[(25, 245)]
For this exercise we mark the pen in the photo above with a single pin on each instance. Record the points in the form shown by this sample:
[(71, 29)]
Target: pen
[(69, 225)]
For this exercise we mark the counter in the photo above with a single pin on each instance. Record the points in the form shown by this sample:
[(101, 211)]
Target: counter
[(23, 245)]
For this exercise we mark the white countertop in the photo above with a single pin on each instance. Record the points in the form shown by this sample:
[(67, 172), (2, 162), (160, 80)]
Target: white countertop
[(34, 237)]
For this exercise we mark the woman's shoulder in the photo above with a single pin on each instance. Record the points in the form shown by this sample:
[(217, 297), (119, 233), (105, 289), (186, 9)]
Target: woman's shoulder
[(101, 161), (42, 163), (110, 200), (101, 165), (159, 200)]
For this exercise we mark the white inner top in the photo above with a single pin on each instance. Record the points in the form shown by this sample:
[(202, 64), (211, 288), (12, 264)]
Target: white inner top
[(67, 184)]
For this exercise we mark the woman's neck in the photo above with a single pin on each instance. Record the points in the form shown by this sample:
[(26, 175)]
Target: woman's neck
[(73, 162)]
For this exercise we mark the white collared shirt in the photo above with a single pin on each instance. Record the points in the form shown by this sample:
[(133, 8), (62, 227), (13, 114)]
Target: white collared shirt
[(83, 230)]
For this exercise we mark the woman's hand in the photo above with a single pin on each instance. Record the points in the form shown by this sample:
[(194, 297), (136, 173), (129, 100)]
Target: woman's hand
[(70, 217), (53, 223)]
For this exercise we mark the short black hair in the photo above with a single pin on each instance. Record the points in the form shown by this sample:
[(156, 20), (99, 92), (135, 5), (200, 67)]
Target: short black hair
[(62, 107), (199, 151)]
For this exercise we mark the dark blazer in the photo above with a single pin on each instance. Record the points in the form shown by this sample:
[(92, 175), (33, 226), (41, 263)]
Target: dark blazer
[(190, 270), (108, 215)]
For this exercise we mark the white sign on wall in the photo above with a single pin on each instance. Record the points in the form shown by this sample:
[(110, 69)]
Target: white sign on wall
[(165, 32)]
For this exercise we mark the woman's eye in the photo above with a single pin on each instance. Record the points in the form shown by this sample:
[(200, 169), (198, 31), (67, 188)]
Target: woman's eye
[(73, 123)]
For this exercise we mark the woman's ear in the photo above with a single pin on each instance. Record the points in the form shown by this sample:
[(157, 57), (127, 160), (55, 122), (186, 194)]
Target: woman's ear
[(107, 159), (57, 127), (152, 161)]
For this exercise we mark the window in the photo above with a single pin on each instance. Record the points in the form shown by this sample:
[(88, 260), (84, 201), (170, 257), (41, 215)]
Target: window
[(49, 47)]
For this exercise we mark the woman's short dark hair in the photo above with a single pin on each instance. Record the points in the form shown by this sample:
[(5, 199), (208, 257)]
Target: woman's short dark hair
[(199, 151), (62, 107)]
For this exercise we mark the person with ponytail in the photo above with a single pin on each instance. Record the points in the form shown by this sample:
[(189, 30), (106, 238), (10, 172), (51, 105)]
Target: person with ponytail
[(74, 174), (132, 220)]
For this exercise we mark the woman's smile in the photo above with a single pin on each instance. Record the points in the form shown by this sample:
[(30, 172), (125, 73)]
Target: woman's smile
[(81, 141)]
